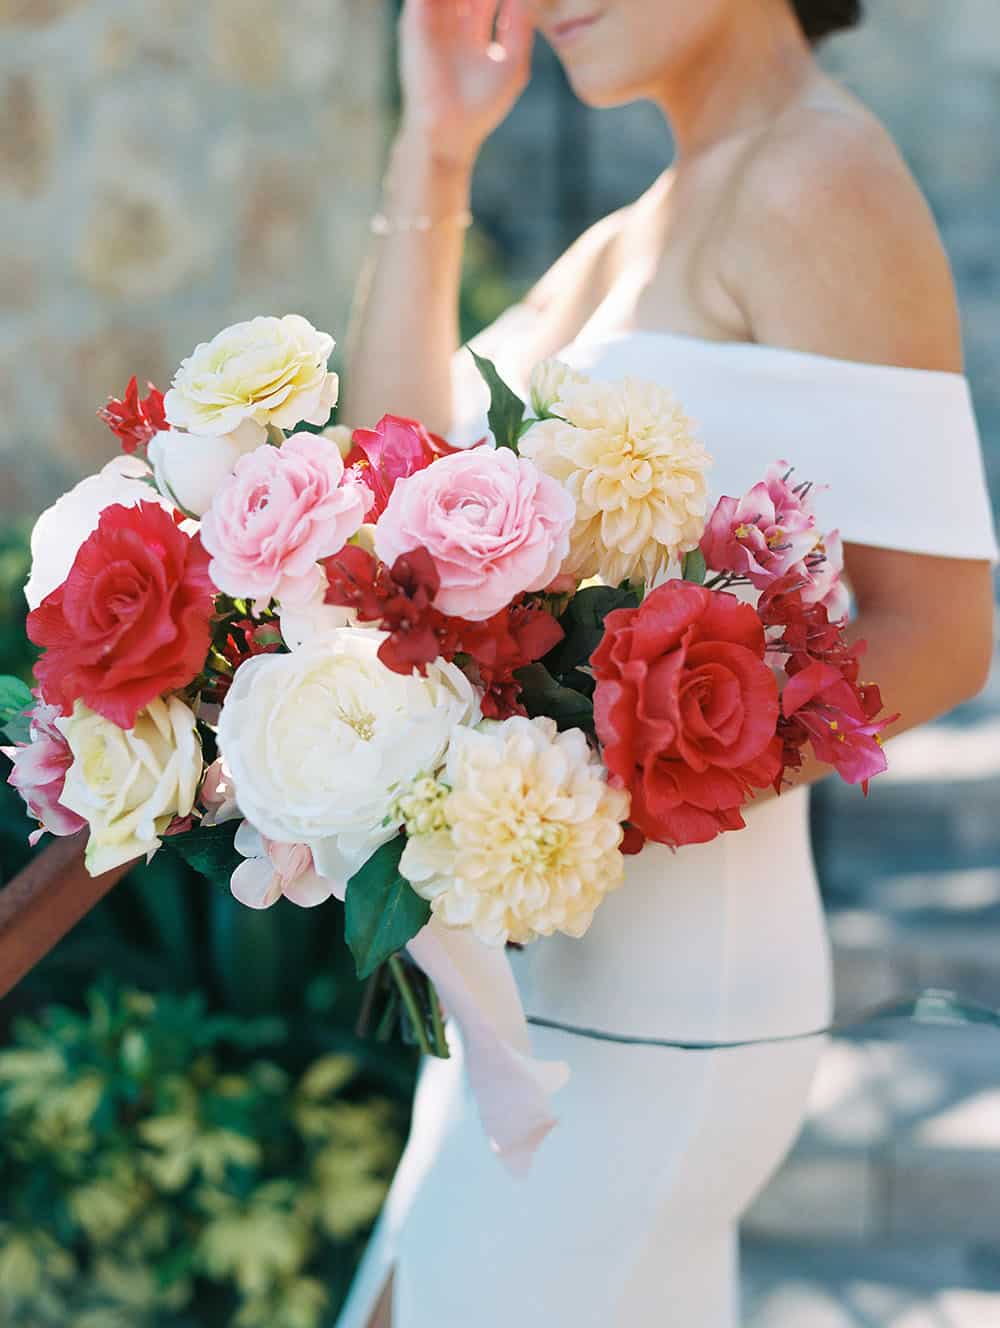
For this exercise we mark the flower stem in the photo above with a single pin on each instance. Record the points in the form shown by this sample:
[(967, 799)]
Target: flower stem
[(398, 970), (440, 1041)]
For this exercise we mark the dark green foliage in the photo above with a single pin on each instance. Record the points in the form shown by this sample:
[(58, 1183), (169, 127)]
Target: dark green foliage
[(15, 699), (382, 910), (694, 567), (506, 412)]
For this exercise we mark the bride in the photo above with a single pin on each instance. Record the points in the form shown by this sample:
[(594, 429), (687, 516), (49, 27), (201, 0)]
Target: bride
[(785, 279)]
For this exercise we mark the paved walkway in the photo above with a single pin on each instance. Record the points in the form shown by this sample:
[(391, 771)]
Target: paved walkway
[(887, 1214)]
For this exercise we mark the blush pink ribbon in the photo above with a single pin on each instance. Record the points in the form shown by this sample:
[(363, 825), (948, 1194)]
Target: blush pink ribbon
[(512, 1088)]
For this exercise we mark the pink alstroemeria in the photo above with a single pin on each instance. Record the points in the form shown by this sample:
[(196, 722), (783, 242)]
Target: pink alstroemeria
[(822, 576), (395, 449), (763, 534), (39, 774), (272, 870), (840, 721)]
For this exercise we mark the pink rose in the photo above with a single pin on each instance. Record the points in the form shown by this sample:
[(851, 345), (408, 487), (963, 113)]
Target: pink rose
[(272, 870), (493, 523), (40, 772), (282, 509)]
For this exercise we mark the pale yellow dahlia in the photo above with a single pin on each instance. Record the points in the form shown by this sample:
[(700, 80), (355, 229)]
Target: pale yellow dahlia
[(520, 836), (628, 455)]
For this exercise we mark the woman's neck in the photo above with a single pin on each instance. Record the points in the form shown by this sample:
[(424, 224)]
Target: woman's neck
[(742, 76)]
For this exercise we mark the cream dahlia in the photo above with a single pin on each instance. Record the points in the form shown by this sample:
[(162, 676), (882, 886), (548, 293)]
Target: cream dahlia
[(628, 456), (520, 836)]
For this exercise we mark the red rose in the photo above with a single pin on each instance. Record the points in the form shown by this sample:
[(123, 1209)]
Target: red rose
[(131, 621), (686, 709)]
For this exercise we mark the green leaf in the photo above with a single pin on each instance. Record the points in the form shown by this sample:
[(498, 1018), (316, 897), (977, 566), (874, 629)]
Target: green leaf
[(694, 567), (209, 850), (506, 407), (583, 626), (544, 695), (382, 910), (15, 699)]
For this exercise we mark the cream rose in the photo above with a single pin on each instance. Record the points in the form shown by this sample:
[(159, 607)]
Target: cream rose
[(129, 784), (320, 741), (266, 371)]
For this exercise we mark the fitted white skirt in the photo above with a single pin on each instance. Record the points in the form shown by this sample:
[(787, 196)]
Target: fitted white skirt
[(628, 1215)]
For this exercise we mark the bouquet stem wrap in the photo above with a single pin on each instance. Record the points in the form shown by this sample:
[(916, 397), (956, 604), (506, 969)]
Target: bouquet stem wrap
[(512, 1088)]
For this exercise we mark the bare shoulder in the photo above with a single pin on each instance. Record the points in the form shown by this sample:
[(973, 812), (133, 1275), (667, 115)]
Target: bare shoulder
[(833, 248)]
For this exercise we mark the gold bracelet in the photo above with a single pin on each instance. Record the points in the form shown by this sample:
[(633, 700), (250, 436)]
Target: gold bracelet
[(384, 225)]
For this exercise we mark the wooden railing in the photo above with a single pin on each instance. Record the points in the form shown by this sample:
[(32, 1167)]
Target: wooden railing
[(43, 902)]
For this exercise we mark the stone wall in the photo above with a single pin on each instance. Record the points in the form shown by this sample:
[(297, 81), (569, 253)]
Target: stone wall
[(167, 168)]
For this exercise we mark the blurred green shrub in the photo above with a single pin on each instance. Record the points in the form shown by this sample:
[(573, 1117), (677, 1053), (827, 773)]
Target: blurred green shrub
[(17, 654), (157, 1168), (486, 286)]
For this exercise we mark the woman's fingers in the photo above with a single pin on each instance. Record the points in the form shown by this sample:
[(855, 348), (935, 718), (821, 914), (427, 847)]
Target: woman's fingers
[(515, 30)]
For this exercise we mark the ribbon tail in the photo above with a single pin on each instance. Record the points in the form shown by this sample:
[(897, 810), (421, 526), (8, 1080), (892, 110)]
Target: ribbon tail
[(512, 1088)]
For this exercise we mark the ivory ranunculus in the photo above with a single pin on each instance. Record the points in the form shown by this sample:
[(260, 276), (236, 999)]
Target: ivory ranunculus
[(191, 468), (628, 456), (63, 527), (520, 837), (129, 784), (265, 371), (319, 742)]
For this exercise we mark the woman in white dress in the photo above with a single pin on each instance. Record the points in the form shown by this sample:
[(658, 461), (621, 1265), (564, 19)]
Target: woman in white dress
[(785, 279)]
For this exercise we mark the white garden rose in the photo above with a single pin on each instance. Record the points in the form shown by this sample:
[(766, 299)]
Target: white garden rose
[(190, 468), (265, 371), (63, 527), (320, 741), (548, 380), (130, 784), (628, 456), (520, 835)]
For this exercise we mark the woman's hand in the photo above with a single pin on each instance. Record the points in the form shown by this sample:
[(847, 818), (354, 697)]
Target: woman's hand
[(458, 81)]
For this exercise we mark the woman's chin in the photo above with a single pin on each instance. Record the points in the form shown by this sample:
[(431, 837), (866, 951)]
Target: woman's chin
[(596, 89)]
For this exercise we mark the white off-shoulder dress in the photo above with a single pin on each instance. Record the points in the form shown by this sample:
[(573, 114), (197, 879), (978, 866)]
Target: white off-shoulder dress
[(628, 1215)]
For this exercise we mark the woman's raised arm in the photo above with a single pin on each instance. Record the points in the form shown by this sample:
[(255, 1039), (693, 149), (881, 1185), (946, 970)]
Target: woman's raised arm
[(463, 64)]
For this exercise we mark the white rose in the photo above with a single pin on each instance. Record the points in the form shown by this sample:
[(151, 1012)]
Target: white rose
[(547, 383), (320, 741), (190, 468), (63, 527), (266, 371), (302, 624), (130, 784)]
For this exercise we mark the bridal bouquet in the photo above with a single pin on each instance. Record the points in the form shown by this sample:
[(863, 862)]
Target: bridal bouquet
[(451, 687)]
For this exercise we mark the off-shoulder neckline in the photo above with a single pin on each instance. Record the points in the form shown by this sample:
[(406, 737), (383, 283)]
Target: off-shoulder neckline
[(781, 354)]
